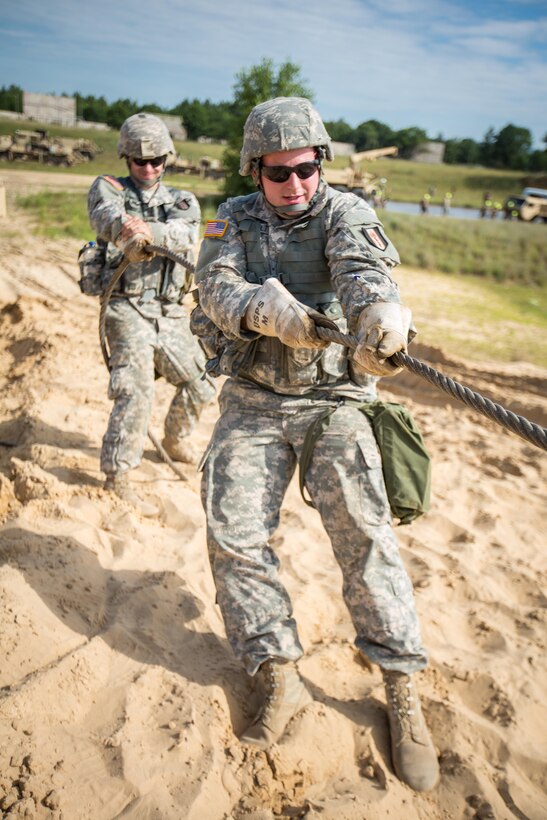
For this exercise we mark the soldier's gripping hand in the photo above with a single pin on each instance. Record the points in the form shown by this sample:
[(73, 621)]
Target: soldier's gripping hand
[(384, 328), (133, 238), (273, 311)]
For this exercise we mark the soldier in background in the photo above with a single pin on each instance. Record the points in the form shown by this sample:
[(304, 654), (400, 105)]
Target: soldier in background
[(424, 203), (273, 265), (486, 205), (447, 202), (147, 326)]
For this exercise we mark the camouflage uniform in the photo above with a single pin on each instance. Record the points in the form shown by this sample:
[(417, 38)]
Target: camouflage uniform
[(335, 258), (146, 326)]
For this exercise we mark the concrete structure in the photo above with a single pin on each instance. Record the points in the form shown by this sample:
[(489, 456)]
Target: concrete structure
[(174, 126), (94, 126), (48, 108), (431, 152), (343, 149)]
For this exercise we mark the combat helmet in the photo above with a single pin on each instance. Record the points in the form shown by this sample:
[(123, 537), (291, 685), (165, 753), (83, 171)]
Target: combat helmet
[(145, 136), (282, 124)]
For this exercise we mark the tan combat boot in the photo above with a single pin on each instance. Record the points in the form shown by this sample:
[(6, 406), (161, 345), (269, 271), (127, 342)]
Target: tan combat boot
[(180, 450), (414, 756), (284, 696), (118, 483)]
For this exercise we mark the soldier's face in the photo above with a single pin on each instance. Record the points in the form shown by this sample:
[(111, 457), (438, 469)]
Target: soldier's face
[(294, 191), (145, 175)]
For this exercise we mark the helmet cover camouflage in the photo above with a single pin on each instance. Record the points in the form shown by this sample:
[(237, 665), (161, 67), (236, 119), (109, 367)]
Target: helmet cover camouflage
[(144, 136), (282, 124)]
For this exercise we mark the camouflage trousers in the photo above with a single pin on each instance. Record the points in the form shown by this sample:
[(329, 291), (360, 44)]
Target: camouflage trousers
[(248, 465), (140, 349)]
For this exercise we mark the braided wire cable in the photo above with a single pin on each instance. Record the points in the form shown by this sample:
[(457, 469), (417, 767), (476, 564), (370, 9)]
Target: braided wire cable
[(517, 424)]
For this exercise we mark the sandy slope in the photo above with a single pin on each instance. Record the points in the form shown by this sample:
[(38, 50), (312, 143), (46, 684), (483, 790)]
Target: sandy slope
[(120, 696)]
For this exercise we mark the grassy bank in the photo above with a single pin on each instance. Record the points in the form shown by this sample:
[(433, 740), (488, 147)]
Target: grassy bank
[(65, 214), (476, 319), (501, 251), (408, 181)]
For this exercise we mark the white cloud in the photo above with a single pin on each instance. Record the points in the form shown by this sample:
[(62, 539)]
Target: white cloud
[(443, 66)]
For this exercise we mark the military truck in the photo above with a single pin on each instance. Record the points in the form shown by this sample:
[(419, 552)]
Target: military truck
[(178, 165), (38, 146), (206, 167), (354, 178), (529, 206)]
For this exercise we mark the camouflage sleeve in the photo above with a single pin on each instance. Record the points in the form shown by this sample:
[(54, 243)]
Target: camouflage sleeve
[(361, 258), (106, 208), (224, 294), (180, 232)]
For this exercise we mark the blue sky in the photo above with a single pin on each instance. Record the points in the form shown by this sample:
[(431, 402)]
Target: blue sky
[(454, 68)]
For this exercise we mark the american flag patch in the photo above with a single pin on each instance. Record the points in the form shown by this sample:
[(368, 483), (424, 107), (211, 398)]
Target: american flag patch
[(215, 228), (113, 181)]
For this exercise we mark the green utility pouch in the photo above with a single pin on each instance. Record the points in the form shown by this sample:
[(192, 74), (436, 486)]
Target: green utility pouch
[(406, 464)]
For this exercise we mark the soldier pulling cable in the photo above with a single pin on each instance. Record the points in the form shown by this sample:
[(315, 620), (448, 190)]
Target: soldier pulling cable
[(142, 312)]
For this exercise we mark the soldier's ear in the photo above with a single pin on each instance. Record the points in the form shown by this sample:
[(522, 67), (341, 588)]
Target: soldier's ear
[(255, 176)]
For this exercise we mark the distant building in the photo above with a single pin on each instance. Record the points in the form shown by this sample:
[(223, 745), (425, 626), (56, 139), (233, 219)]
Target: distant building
[(93, 126), (343, 149), (48, 108), (174, 126), (431, 152)]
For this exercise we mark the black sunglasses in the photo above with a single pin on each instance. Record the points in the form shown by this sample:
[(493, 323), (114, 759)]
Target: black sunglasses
[(155, 163), (281, 173)]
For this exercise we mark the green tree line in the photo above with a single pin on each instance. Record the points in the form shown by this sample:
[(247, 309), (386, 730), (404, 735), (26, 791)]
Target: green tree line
[(510, 148)]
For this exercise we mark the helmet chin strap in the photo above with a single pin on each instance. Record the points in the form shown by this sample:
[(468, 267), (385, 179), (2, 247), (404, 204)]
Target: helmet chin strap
[(290, 210)]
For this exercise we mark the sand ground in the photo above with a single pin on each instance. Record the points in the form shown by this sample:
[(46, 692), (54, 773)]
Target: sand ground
[(119, 694)]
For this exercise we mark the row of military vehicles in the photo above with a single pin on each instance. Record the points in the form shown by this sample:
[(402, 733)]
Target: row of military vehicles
[(38, 146), (351, 178), (28, 146)]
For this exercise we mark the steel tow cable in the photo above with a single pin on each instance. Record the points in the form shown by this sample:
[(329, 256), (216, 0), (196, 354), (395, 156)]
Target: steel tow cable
[(517, 424), (524, 428)]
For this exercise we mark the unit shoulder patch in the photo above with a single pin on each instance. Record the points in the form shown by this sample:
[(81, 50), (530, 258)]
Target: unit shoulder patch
[(374, 236), (215, 228), (114, 182)]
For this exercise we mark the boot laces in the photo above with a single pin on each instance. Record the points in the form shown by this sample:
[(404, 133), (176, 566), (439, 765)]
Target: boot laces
[(404, 704), (272, 687)]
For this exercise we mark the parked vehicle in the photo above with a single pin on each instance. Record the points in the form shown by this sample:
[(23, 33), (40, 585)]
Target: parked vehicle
[(38, 146), (354, 178), (529, 206)]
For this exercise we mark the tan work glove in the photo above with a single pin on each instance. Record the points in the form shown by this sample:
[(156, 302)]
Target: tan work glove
[(273, 311), (383, 329), (133, 238)]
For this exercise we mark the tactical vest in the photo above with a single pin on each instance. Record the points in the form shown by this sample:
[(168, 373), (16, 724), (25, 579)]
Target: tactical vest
[(301, 266), (159, 277)]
